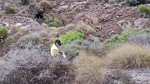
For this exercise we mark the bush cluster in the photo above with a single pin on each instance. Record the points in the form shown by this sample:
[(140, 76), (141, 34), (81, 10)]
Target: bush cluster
[(33, 38), (91, 44), (25, 2), (76, 34), (49, 21), (10, 10), (128, 56), (87, 69), (32, 65), (143, 39), (124, 36), (144, 10)]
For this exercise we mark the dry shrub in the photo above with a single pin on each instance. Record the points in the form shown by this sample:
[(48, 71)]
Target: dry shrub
[(45, 5), (44, 33), (87, 69), (118, 77), (32, 65), (14, 29), (95, 20), (140, 39), (86, 28), (128, 56), (96, 49)]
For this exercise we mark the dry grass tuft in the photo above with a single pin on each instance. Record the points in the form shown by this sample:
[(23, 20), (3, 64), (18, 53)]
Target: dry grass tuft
[(128, 56), (45, 5), (87, 69)]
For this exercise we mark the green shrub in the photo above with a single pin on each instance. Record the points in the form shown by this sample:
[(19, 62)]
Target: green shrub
[(10, 10), (3, 30), (3, 33), (124, 36), (9, 40), (50, 21), (71, 36), (33, 38), (144, 10), (25, 2)]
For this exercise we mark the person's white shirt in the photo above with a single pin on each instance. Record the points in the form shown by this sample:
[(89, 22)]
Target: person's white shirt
[(53, 48)]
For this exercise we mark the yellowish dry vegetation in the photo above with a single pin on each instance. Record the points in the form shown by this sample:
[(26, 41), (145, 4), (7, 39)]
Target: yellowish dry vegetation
[(128, 56), (87, 69)]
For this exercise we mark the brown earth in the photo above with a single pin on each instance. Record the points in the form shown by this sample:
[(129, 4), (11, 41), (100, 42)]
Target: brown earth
[(110, 18)]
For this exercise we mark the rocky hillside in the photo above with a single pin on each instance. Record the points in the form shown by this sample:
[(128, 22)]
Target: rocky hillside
[(81, 25)]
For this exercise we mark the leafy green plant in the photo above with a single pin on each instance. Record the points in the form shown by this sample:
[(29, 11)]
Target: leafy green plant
[(144, 10), (124, 36), (25, 2), (10, 10), (71, 36), (3, 30)]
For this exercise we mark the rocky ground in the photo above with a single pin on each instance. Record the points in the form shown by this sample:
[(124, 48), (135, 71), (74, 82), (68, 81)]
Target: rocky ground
[(105, 19)]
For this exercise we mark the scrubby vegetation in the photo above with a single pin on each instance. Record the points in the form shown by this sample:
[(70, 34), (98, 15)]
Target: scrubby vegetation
[(128, 56), (87, 69), (124, 36), (84, 30), (33, 38), (76, 34), (25, 2), (49, 21), (3, 33), (45, 5), (33, 65), (129, 2), (144, 10), (10, 10), (142, 39)]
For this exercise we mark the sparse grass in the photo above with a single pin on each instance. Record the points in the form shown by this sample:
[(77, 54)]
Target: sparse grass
[(87, 69), (128, 56)]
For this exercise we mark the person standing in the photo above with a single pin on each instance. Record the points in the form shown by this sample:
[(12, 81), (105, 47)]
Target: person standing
[(54, 48)]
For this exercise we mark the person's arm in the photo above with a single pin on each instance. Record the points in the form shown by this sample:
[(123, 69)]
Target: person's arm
[(56, 52)]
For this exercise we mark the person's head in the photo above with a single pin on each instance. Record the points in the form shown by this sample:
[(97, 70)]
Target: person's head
[(58, 42)]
